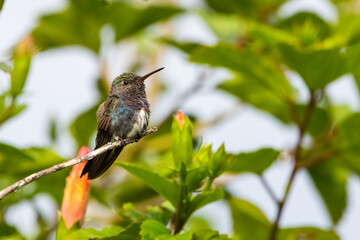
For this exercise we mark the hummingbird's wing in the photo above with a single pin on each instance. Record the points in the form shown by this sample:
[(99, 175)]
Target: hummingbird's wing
[(102, 162)]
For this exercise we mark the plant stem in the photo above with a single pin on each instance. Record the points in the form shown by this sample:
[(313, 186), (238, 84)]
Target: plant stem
[(208, 184), (1, 4), (297, 154), (269, 189), (69, 163), (8, 111), (181, 215)]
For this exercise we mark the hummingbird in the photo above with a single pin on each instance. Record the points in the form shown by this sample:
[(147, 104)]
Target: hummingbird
[(124, 114)]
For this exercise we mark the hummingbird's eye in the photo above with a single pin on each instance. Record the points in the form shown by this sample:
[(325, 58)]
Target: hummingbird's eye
[(125, 82)]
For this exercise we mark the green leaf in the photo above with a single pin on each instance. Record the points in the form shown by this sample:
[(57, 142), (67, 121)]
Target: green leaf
[(64, 29), (130, 190), (205, 198), (10, 157), (1, 4), (218, 162), (306, 26), (195, 178), (320, 120), (182, 145), (152, 229), (202, 156), (62, 232), (248, 220), (259, 96), (136, 18), (308, 233), (90, 233), (43, 158), (246, 8), (19, 163), (130, 233), (254, 162), (15, 236), (254, 67), (9, 108), (7, 230), (347, 31), (340, 112), (317, 67), (187, 47), (268, 38), (169, 190), (260, 81), (209, 234), (53, 130), (82, 21), (8, 150), (227, 27), (18, 109), (348, 136), (84, 126), (347, 142), (184, 236), (330, 180), (3, 103), (20, 71), (226, 6), (161, 214), (352, 55)]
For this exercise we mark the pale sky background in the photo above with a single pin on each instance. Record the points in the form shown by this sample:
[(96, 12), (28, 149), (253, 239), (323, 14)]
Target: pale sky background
[(61, 84)]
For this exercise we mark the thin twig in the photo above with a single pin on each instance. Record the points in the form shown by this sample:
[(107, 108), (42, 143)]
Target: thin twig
[(269, 189), (319, 158), (297, 152), (70, 163), (181, 99)]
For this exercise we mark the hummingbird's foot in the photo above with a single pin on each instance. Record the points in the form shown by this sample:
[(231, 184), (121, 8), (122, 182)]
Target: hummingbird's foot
[(117, 138)]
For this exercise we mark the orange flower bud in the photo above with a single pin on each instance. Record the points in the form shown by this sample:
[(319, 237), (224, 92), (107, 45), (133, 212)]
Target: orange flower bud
[(26, 46), (76, 194), (180, 118)]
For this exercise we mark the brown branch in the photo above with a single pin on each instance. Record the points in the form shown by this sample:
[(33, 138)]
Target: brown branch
[(319, 158), (69, 163), (297, 152)]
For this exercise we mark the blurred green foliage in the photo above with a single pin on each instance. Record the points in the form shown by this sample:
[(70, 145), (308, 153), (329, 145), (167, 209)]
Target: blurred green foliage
[(175, 175)]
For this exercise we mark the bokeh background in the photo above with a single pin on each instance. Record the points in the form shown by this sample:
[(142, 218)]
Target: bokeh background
[(64, 82)]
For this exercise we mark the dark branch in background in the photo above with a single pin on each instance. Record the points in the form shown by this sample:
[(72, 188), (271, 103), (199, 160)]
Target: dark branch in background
[(297, 154), (180, 100), (269, 189), (69, 163)]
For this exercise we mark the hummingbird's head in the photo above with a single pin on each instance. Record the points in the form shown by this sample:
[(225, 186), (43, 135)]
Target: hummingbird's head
[(130, 83)]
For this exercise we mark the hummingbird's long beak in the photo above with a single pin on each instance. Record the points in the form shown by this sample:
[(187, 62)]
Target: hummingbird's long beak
[(149, 74)]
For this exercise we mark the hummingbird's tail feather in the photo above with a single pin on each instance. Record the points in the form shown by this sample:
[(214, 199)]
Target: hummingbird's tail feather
[(96, 167)]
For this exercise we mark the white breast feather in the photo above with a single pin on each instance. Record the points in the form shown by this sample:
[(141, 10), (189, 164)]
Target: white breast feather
[(140, 124)]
